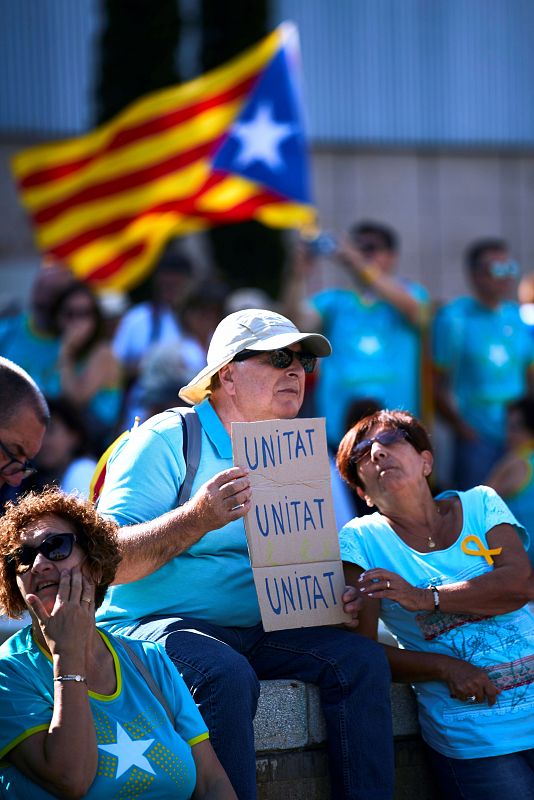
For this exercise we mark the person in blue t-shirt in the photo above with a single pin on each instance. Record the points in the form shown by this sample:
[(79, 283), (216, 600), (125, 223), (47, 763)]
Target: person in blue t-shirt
[(186, 579), (375, 326), (513, 476), (83, 713), (483, 356), (450, 578)]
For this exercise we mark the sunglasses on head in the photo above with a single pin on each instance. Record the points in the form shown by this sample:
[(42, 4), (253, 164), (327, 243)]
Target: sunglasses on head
[(504, 269), (386, 438), (282, 358), (56, 547)]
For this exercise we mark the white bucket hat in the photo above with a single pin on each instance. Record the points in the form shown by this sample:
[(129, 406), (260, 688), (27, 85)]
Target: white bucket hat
[(251, 329)]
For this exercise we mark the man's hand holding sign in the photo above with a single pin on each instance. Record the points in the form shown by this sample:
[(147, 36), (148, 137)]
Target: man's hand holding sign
[(290, 527)]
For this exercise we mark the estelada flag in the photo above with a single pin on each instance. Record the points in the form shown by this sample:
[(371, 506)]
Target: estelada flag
[(225, 147)]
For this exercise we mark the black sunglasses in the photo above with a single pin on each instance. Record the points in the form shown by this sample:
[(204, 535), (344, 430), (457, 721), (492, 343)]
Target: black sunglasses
[(386, 438), (56, 547), (282, 358), (15, 465)]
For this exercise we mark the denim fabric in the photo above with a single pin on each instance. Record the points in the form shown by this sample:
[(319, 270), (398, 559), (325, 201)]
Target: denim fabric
[(222, 666), (472, 461), (490, 778)]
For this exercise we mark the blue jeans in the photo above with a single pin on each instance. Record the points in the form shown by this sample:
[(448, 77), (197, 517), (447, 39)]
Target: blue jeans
[(492, 778), (222, 668)]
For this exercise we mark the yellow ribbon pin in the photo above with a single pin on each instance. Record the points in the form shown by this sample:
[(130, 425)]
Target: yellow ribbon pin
[(482, 549)]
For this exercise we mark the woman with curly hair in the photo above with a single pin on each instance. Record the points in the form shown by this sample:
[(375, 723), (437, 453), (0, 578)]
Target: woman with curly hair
[(84, 713)]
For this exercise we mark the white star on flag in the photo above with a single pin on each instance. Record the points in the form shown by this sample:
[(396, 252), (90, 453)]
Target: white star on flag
[(369, 345), (129, 752), (498, 354), (261, 137)]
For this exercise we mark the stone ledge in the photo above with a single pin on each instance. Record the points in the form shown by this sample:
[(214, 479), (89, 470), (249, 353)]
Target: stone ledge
[(289, 715)]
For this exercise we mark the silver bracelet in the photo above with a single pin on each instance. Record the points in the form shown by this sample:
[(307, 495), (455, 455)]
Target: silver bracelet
[(435, 595), (77, 678)]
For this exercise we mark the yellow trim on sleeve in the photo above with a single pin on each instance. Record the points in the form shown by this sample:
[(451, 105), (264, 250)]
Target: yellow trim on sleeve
[(197, 739), (19, 739)]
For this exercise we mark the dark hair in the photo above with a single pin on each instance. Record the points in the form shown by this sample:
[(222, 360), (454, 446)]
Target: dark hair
[(476, 250), (97, 537), (99, 327), (525, 406), (18, 389), (388, 238), (416, 434), (73, 419), (175, 262)]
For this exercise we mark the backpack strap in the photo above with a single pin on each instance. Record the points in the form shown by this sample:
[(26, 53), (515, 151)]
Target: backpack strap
[(152, 685), (192, 442), (191, 446)]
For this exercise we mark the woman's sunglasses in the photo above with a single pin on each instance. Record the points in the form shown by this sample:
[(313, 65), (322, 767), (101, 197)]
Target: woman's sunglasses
[(282, 358), (386, 438), (56, 547)]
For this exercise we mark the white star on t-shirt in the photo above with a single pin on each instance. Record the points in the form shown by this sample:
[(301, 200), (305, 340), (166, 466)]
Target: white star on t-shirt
[(261, 137), (498, 354), (129, 752), (369, 345)]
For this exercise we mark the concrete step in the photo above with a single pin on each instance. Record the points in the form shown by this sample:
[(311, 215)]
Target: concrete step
[(290, 739)]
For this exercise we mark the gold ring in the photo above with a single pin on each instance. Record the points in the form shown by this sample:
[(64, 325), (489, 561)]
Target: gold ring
[(388, 584), (86, 599)]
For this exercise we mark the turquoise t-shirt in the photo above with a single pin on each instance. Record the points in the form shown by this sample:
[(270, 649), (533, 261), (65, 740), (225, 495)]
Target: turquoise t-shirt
[(213, 579), (35, 353), (139, 752), (503, 644), (376, 353), (521, 504), (487, 353)]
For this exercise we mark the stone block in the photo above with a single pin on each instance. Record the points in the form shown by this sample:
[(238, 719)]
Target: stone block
[(281, 721)]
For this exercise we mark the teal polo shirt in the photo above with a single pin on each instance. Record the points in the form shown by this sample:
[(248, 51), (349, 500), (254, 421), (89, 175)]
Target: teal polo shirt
[(213, 579)]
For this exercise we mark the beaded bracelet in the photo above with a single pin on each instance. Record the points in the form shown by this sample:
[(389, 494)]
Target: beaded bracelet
[(77, 678), (435, 595)]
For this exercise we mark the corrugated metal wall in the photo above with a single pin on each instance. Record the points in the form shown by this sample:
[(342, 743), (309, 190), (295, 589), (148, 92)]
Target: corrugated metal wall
[(417, 72), (47, 65), (377, 72)]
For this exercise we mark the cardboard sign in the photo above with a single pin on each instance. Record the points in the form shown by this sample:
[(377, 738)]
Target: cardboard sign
[(291, 527)]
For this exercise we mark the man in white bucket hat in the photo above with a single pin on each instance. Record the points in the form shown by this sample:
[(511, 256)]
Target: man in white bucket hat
[(186, 579)]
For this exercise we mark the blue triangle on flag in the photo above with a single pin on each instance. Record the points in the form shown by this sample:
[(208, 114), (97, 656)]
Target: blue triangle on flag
[(266, 143)]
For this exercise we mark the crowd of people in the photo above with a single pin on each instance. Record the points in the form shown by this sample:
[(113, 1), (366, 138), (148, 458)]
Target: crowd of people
[(144, 651)]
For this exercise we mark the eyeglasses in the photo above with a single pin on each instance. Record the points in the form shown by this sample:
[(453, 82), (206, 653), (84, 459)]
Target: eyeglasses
[(504, 269), (14, 466), (386, 439), (56, 547), (282, 358)]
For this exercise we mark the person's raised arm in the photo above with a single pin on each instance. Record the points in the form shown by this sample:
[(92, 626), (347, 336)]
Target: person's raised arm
[(63, 759), (383, 284)]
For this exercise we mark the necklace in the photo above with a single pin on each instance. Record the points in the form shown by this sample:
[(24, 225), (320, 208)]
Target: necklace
[(429, 540)]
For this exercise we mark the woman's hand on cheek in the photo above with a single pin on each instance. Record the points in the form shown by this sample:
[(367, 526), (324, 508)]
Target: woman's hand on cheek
[(72, 617)]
